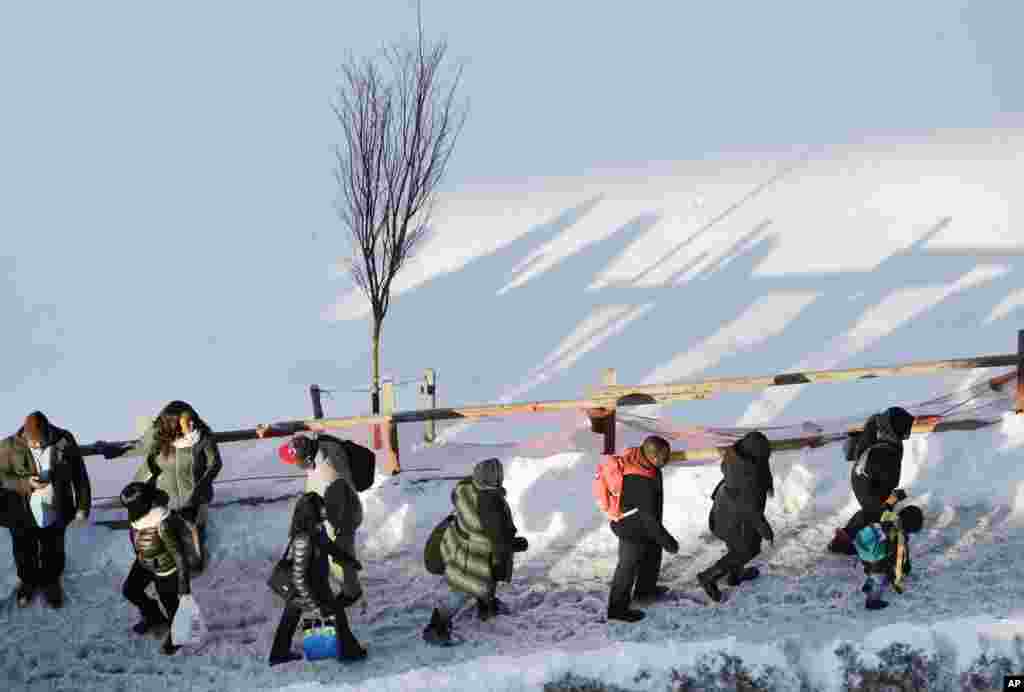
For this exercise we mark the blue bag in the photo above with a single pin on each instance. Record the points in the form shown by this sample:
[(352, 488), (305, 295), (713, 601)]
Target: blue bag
[(319, 638)]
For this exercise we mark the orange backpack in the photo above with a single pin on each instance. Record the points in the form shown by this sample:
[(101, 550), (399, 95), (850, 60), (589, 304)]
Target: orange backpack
[(607, 484)]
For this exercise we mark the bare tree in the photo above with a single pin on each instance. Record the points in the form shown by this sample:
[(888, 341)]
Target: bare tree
[(400, 121)]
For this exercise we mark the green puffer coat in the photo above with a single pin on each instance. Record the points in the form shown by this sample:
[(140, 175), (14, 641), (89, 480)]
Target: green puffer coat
[(476, 547)]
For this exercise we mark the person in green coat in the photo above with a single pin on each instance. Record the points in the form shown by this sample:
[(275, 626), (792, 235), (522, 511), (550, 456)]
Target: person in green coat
[(477, 549), (182, 459)]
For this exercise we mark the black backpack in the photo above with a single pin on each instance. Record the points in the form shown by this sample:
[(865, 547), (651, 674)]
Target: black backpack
[(361, 460)]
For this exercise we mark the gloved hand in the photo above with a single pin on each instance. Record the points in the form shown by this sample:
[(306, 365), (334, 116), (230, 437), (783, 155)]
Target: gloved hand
[(671, 545), (81, 519), (520, 544), (765, 529), (900, 494)]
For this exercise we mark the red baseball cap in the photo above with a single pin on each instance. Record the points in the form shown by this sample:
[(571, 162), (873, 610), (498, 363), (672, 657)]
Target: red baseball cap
[(288, 454)]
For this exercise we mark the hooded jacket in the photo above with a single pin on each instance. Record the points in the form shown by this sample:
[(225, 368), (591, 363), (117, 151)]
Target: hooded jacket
[(68, 475), (737, 514), (477, 546), (159, 538), (879, 458)]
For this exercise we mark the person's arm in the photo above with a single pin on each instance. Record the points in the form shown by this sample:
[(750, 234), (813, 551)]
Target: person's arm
[(336, 552), (213, 466), (79, 477)]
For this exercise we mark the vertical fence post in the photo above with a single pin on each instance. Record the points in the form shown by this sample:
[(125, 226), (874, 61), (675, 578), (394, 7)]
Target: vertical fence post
[(428, 399), (314, 395), (1020, 371), (609, 380), (390, 428)]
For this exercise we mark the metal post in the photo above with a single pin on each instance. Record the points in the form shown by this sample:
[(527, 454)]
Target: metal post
[(428, 400), (393, 465), (314, 395), (1020, 371)]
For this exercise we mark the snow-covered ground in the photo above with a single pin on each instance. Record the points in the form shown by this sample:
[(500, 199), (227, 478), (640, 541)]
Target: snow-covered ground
[(964, 597), (893, 250)]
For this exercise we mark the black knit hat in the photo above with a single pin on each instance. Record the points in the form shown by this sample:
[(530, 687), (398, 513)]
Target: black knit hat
[(137, 498), (754, 446), (911, 519)]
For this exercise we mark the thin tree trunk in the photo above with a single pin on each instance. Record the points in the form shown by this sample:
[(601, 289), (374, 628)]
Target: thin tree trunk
[(375, 397)]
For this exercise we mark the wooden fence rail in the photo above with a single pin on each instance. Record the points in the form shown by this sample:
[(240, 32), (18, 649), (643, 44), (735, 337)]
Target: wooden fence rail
[(602, 402)]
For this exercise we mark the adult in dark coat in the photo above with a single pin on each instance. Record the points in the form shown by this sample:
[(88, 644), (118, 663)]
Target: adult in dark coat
[(641, 534), (310, 551), (737, 515), (877, 454), (45, 489)]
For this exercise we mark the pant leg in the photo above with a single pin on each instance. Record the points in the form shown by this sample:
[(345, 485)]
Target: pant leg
[(51, 553), (348, 645), (875, 586), (134, 590), (350, 580), (451, 602), (285, 631), (649, 569), (630, 555), (25, 546), (740, 549), (167, 591)]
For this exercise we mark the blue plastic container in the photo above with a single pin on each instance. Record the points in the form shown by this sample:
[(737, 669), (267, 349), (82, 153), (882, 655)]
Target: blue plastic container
[(319, 639)]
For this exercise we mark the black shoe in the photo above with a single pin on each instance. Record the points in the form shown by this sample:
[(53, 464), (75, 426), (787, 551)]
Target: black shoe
[(147, 625), (167, 648), (644, 597), (352, 652), (876, 605), (439, 631), (627, 615), (54, 595), (737, 578), (24, 595), (708, 583), (287, 658)]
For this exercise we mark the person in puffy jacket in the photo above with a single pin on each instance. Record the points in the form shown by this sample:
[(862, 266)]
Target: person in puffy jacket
[(182, 459), (640, 531), (477, 549), (45, 489), (877, 453), (161, 558), (326, 462), (737, 515), (310, 550)]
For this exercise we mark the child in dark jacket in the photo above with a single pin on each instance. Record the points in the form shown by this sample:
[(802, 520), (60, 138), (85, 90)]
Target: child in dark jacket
[(883, 549)]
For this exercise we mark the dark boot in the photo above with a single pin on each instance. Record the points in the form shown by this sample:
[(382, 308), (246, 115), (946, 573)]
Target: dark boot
[(349, 648), (737, 577), (54, 595), (876, 604), (626, 615), (287, 658), (24, 594), (439, 631), (167, 648), (709, 581)]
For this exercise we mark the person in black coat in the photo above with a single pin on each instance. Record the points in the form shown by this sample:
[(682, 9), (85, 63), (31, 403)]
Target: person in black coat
[(310, 550), (877, 453), (640, 531), (45, 489), (737, 515)]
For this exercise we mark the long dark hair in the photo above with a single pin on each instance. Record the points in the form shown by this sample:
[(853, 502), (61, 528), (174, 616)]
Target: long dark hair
[(308, 514), (168, 429)]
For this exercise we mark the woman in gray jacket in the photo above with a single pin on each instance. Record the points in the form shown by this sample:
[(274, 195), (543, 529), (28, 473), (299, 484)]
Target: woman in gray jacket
[(182, 459)]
